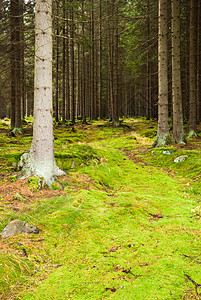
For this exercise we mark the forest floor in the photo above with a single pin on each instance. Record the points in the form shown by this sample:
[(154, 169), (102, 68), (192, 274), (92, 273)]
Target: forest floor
[(123, 223)]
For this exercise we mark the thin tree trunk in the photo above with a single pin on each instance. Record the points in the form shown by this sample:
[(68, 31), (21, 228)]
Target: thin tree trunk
[(83, 81), (72, 67), (67, 69), (57, 68), (163, 129), (115, 117), (16, 85), (192, 67), (199, 64), (148, 91), (64, 70), (22, 58), (178, 129)]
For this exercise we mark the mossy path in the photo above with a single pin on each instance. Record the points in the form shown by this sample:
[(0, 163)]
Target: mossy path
[(128, 234)]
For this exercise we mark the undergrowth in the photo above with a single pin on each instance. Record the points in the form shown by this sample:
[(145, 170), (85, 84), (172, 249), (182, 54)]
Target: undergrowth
[(132, 233)]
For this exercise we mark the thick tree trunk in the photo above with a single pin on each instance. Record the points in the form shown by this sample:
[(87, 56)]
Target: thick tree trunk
[(40, 160), (163, 129), (178, 130)]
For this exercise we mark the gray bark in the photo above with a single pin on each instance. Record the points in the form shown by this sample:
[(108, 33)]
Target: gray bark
[(163, 130), (40, 160), (178, 130)]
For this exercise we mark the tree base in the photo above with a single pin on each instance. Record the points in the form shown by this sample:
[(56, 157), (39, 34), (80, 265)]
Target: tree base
[(46, 170), (161, 141), (192, 133)]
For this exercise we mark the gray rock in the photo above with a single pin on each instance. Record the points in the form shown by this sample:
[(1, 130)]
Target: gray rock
[(17, 226), (167, 152), (181, 158)]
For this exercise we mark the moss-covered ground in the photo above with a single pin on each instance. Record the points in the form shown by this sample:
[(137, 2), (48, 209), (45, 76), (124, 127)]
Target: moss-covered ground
[(125, 224)]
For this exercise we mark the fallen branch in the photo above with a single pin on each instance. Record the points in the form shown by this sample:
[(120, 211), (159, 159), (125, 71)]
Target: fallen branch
[(195, 283)]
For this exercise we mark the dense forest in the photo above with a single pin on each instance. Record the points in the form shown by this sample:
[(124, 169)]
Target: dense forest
[(111, 59), (100, 117)]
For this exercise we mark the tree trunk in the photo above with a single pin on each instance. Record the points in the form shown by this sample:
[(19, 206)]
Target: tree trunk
[(115, 102), (83, 81), (40, 160), (64, 70), (57, 67), (16, 86), (199, 65), (67, 69), (178, 130), (163, 129), (148, 91), (192, 67), (72, 66)]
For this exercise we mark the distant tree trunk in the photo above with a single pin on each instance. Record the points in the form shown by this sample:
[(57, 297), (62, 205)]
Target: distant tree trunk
[(67, 69), (92, 64), (99, 64), (115, 110), (192, 67), (178, 129), (72, 66), (83, 81), (163, 129), (64, 70), (199, 64), (148, 91), (57, 67), (13, 58), (16, 85), (40, 160), (22, 58), (185, 61)]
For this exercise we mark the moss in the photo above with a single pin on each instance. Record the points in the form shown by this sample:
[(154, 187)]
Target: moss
[(130, 232), (33, 183), (56, 185)]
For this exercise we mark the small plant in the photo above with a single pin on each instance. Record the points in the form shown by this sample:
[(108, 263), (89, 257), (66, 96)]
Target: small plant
[(18, 197), (65, 183), (13, 178)]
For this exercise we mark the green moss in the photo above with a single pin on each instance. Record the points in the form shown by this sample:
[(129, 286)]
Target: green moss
[(33, 183), (56, 185), (130, 232)]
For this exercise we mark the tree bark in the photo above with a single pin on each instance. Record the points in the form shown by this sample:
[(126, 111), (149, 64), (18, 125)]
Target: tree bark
[(40, 160), (115, 102), (199, 65), (16, 85), (178, 130), (163, 129), (57, 67), (72, 66), (192, 68), (64, 70)]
